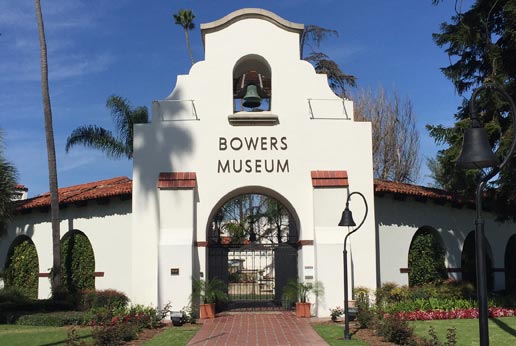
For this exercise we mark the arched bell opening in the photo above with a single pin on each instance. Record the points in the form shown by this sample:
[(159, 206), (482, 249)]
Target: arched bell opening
[(252, 247), (252, 84)]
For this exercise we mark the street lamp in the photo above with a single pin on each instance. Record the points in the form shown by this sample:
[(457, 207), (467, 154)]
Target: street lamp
[(476, 153), (347, 220)]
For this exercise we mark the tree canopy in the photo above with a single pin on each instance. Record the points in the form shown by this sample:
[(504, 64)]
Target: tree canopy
[(311, 38), (394, 133), (124, 117), (481, 44), (8, 175), (184, 18)]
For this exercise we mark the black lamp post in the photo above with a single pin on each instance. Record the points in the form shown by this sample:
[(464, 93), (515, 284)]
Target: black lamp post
[(347, 220), (477, 153)]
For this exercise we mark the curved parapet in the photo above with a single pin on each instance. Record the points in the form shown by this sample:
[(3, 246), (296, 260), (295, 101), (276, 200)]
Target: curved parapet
[(247, 13)]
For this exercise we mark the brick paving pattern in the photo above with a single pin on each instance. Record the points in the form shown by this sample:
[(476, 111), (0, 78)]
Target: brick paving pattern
[(263, 329)]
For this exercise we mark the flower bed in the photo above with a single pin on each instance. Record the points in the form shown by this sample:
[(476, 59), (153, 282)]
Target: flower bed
[(427, 315)]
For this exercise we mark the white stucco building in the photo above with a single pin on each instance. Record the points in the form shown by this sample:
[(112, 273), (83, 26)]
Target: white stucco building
[(153, 235)]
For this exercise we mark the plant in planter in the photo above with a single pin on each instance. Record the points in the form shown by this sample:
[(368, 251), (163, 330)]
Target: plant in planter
[(300, 291), (208, 293)]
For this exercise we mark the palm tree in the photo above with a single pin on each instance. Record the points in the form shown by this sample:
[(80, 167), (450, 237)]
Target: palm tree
[(185, 18), (99, 138), (7, 187), (51, 154)]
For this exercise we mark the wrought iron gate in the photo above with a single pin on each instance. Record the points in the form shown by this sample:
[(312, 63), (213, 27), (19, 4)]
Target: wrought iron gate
[(254, 274)]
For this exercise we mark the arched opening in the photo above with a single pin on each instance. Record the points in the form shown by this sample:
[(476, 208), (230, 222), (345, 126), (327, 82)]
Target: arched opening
[(252, 84), (77, 262), (426, 260), (510, 265), (252, 248), (468, 262), (22, 267)]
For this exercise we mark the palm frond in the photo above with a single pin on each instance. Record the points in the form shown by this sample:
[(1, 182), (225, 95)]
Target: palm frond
[(98, 138), (120, 109)]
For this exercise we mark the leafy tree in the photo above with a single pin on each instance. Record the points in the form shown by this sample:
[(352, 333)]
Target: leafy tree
[(481, 44), (8, 175), (51, 154), (99, 138), (312, 37), (395, 137), (184, 18), (264, 216)]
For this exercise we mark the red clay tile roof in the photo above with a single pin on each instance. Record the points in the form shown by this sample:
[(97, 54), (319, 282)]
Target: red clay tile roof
[(120, 186), (21, 187), (402, 189)]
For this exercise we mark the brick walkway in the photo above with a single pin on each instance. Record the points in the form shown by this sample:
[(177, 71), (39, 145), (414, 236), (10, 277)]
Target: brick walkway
[(263, 329)]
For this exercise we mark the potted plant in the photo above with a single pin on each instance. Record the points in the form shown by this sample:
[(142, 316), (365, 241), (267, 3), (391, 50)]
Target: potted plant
[(300, 291), (208, 293)]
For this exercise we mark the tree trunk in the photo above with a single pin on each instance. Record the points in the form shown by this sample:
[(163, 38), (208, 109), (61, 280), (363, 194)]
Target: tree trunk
[(187, 37), (51, 153)]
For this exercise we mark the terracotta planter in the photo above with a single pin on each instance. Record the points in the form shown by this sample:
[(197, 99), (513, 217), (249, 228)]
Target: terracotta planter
[(303, 310), (207, 311)]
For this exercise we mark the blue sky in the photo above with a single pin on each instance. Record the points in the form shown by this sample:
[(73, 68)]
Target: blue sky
[(132, 48)]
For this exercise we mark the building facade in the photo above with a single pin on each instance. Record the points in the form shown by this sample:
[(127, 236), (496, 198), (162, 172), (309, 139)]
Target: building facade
[(255, 119)]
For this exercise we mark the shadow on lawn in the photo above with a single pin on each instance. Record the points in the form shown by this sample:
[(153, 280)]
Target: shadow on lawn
[(63, 342), (504, 326)]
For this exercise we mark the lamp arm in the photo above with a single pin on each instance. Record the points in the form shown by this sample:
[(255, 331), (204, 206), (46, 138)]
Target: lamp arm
[(365, 215)]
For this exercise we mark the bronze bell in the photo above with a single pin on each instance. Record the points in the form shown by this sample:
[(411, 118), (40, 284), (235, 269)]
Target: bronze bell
[(252, 99), (476, 151)]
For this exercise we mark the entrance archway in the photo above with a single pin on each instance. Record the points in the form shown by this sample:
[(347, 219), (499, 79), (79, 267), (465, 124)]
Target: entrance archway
[(252, 247)]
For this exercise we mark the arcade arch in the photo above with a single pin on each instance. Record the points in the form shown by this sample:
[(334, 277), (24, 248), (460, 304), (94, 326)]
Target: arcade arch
[(426, 259), (468, 261), (510, 264), (22, 266), (77, 262)]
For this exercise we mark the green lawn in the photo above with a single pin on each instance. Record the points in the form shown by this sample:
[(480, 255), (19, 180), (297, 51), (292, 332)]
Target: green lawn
[(502, 331), (174, 336), (14, 335), (333, 335)]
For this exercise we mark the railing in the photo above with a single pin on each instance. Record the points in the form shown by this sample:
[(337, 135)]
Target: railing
[(343, 116)]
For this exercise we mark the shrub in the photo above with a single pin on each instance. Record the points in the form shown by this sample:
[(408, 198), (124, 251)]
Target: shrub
[(22, 268), (103, 298), (397, 331), (13, 295), (451, 338), (383, 293), (335, 313), (55, 319), (114, 334), (78, 263), (73, 339), (188, 314)]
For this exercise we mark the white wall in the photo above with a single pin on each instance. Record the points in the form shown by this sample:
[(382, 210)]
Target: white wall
[(193, 145), (108, 228), (398, 221)]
